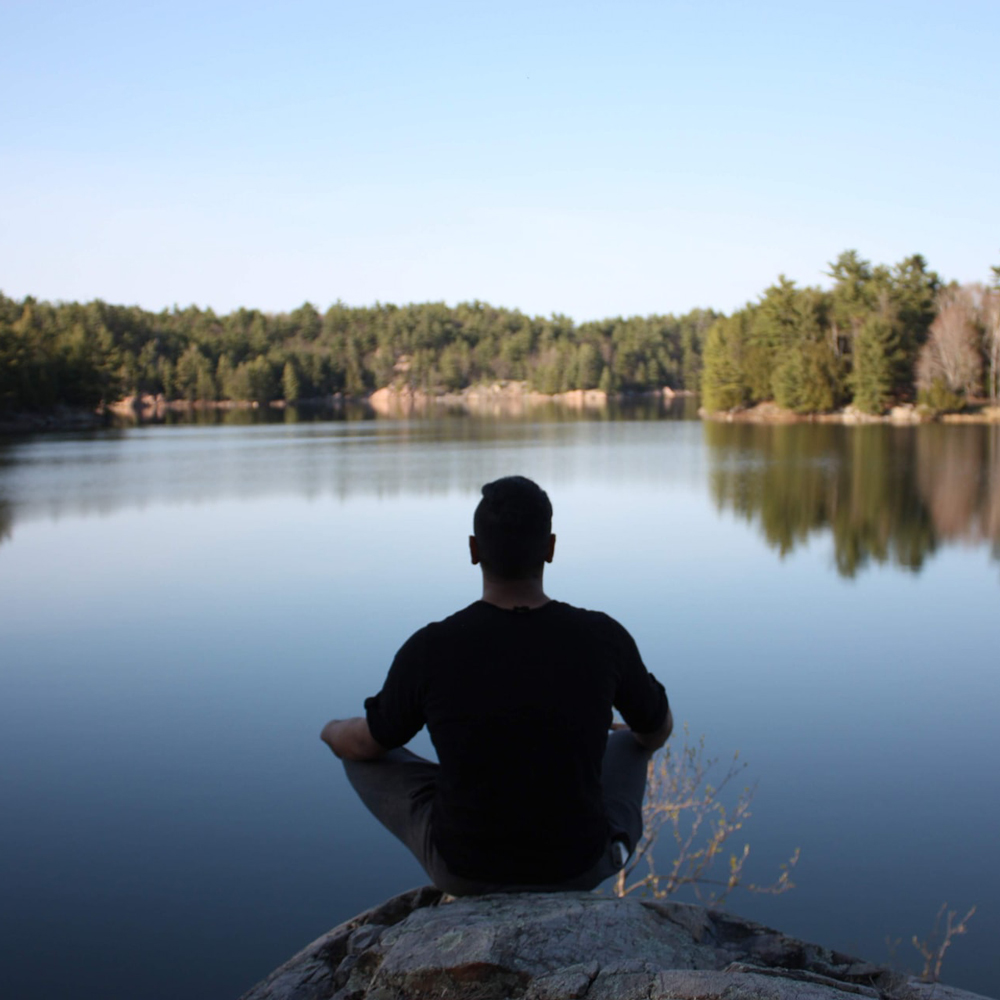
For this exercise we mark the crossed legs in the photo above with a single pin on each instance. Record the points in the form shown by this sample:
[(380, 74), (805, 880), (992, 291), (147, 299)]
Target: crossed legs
[(399, 790)]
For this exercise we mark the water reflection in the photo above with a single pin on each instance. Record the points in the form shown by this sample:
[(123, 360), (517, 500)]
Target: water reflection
[(6, 520), (103, 472), (886, 494), (651, 406)]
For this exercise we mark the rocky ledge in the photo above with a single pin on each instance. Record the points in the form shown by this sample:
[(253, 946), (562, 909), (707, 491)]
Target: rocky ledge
[(572, 945)]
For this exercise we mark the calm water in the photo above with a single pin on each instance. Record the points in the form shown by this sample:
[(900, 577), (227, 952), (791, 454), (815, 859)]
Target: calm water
[(182, 608)]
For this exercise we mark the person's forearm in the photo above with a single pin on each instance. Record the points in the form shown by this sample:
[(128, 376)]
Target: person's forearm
[(351, 739)]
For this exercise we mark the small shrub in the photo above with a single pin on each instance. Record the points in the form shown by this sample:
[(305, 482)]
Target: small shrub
[(940, 398)]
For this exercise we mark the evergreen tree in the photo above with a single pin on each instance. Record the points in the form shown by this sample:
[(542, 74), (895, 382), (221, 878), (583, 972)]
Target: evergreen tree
[(224, 373), (261, 381), (795, 345), (289, 383), (852, 296), (194, 376), (875, 351), (913, 292), (165, 371), (722, 381), (588, 366)]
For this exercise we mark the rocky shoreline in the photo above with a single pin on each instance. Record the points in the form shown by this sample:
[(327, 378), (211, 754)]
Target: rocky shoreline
[(500, 399), (904, 414), (496, 399), (567, 946)]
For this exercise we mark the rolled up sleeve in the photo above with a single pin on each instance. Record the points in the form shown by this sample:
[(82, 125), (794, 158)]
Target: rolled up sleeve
[(640, 697), (395, 715)]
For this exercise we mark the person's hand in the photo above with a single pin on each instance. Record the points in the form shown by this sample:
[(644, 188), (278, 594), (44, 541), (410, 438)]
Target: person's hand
[(617, 727), (329, 730)]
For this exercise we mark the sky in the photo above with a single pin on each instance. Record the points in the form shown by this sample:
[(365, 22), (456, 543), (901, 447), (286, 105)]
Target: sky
[(588, 159)]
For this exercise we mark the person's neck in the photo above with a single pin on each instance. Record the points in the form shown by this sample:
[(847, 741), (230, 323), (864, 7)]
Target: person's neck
[(510, 594)]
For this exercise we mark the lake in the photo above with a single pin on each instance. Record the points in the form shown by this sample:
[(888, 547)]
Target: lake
[(183, 607)]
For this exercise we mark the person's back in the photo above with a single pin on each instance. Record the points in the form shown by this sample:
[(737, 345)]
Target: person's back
[(517, 692)]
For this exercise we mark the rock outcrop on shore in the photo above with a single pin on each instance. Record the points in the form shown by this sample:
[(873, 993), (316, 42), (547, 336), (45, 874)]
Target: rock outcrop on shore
[(904, 413), (498, 399), (557, 946)]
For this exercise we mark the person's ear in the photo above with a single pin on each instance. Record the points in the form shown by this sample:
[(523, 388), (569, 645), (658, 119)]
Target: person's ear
[(473, 550), (551, 550)]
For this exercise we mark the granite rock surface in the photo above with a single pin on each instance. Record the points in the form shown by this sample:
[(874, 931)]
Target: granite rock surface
[(569, 946)]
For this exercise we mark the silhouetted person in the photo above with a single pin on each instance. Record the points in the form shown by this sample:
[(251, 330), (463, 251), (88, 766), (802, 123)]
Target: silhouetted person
[(517, 691)]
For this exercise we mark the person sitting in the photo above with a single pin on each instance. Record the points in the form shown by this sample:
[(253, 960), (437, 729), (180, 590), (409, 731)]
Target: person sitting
[(531, 792)]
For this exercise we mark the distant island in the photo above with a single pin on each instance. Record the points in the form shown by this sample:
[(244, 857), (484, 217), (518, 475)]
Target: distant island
[(879, 337)]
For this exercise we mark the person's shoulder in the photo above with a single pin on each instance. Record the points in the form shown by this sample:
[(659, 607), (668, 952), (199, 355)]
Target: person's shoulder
[(584, 614), (460, 619), (428, 637), (597, 621)]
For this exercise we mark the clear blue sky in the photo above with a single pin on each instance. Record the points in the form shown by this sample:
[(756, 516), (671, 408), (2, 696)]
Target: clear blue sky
[(588, 159)]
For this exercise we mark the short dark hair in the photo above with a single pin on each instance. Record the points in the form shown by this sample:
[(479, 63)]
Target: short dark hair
[(512, 525)]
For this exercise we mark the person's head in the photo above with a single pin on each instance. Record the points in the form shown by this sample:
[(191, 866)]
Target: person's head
[(513, 529)]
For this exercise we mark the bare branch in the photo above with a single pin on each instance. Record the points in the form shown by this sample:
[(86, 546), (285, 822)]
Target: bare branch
[(932, 949), (680, 799), (950, 354)]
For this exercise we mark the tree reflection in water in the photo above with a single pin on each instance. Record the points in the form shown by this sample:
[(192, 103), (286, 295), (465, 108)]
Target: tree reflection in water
[(888, 494), (6, 520)]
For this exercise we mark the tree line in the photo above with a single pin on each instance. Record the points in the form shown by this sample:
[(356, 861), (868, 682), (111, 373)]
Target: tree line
[(880, 335), (82, 354)]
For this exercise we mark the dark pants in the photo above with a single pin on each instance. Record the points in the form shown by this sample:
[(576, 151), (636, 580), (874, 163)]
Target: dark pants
[(399, 790)]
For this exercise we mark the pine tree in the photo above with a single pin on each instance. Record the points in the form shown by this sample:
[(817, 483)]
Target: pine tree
[(224, 377), (193, 375), (289, 383), (588, 366), (722, 379), (875, 347)]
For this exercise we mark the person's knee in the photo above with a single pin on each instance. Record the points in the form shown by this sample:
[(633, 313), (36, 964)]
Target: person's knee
[(356, 770)]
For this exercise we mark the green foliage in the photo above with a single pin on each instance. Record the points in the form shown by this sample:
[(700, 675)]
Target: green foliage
[(774, 329), (82, 354), (806, 348), (853, 295), (778, 349), (805, 375), (940, 398), (723, 386), (289, 383), (875, 352), (912, 295), (194, 375), (810, 350), (806, 379)]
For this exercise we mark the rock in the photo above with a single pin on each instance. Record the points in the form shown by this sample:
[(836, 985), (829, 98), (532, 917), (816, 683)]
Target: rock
[(905, 413), (567, 946), (497, 399)]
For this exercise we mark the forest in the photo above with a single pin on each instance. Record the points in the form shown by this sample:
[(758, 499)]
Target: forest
[(879, 335), (80, 355)]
